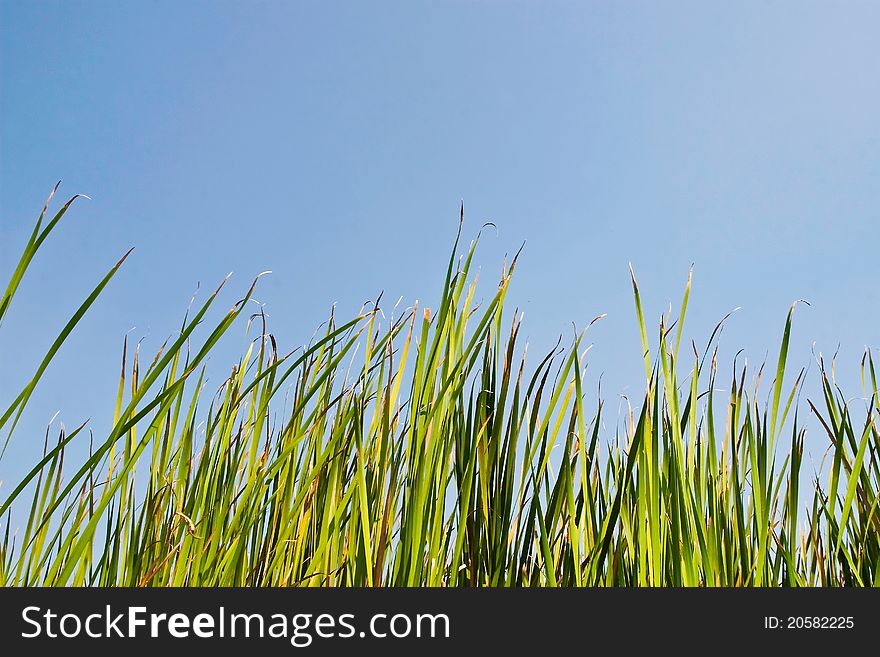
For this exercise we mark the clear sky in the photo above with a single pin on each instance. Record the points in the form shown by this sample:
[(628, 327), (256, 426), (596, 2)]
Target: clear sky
[(332, 143)]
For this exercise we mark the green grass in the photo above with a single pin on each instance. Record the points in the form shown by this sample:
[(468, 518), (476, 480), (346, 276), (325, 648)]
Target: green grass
[(426, 450)]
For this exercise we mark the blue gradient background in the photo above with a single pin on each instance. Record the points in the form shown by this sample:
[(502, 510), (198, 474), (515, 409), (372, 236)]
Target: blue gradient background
[(332, 143)]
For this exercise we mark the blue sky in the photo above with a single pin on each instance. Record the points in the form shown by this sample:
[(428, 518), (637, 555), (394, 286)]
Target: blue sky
[(332, 143)]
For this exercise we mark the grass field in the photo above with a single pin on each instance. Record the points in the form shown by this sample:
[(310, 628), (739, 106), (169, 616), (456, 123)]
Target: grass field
[(426, 449)]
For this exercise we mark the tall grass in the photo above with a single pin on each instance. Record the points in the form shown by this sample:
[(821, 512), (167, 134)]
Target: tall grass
[(418, 450)]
